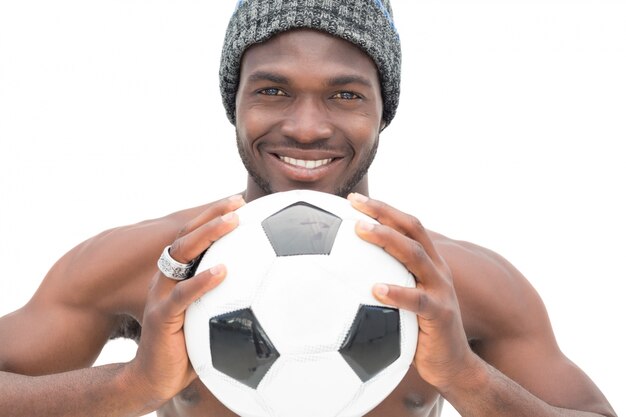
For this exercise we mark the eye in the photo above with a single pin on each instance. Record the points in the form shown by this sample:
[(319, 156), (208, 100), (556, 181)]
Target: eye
[(346, 95), (272, 91)]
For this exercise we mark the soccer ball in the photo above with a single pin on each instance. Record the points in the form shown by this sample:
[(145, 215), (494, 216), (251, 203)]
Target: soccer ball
[(294, 329)]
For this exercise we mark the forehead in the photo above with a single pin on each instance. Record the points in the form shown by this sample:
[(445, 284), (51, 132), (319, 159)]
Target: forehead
[(305, 51)]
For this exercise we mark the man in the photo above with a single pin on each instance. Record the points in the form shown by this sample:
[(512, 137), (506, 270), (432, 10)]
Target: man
[(308, 106)]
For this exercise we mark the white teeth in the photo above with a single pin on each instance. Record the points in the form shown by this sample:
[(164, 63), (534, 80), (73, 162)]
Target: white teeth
[(305, 163)]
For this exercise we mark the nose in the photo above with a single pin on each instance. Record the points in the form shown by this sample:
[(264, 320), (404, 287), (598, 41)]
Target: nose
[(307, 120)]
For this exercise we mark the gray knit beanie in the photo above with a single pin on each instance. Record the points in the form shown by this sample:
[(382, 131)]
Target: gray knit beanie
[(366, 23)]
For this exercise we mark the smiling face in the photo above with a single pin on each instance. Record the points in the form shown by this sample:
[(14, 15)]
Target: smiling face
[(309, 112)]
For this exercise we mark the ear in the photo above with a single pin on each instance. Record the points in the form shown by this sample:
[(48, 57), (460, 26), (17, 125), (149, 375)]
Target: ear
[(383, 125)]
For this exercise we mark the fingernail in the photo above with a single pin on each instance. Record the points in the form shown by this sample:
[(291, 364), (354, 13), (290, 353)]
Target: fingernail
[(217, 269), (365, 226), (381, 290), (228, 217), (236, 197), (359, 198)]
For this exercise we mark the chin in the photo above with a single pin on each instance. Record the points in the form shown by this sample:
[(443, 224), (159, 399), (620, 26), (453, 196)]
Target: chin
[(330, 189)]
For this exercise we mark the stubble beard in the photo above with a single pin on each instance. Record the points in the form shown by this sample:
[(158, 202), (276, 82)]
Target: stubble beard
[(344, 188)]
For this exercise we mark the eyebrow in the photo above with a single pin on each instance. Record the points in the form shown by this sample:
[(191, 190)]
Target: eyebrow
[(268, 76), (349, 79), (332, 82)]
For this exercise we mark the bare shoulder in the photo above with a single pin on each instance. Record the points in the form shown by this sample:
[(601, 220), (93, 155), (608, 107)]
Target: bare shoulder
[(111, 271), (94, 292), (496, 300), (508, 326)]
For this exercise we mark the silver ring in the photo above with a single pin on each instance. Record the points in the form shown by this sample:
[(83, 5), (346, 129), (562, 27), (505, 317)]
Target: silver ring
[(173, 269)]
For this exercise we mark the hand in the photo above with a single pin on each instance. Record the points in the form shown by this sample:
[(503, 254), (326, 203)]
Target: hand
[(443, 354), (161, 364)]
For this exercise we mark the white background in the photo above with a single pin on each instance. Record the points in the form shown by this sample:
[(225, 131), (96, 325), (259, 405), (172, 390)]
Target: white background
[(510, 134)]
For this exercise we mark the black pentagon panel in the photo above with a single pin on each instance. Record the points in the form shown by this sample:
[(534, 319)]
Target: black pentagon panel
[(240, 348), (373, 342), (302, 229)]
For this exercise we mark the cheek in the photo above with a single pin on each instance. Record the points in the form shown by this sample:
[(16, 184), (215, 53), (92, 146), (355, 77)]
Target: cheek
[(362, 133), (245, 129), (252, 124)]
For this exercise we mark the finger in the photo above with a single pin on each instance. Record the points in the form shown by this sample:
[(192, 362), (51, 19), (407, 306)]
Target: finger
[(215, 209), (402, 222), (186, 292), (415, 300), (189, 247), (409, 252)]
